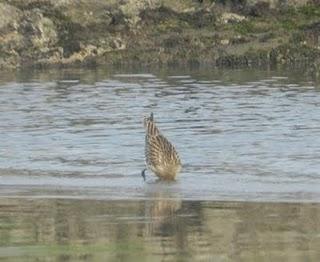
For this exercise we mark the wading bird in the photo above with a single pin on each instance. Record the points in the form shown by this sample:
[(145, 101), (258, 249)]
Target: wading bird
[(161, 156)]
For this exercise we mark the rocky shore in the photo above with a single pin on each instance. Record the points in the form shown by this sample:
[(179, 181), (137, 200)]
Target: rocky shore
[(160, 32)]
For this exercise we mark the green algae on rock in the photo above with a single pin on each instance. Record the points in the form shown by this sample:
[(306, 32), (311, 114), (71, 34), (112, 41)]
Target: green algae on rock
[(221, 32)]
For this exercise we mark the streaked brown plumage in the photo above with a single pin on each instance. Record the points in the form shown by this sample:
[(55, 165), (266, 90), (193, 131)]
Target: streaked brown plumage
[(161, 156)]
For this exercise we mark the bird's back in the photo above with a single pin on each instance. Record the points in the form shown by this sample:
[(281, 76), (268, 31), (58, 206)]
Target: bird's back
[(161, 156)]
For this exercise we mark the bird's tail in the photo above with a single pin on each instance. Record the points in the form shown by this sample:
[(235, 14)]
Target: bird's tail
[(150, 126)]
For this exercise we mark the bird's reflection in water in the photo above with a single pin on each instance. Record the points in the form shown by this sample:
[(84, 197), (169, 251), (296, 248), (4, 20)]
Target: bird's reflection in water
[(161, 210), (164, 224)]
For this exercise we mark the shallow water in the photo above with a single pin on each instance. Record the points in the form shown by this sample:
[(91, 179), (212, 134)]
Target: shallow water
[(242, 134), (72, 149), (157, 230)]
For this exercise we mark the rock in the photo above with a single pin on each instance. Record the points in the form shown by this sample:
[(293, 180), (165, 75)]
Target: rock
[(181, 6), (278, 3), (312, 35), (260, 9), (231, 18), (39, 31), (9, 17), (118, 44), (86, 12), (51, 32), (131, 9), (224, 41)]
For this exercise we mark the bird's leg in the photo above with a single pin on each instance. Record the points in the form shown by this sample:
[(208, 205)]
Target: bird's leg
[(143, 174)]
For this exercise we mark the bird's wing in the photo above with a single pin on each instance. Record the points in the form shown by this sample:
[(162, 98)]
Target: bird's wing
[(161, 151)]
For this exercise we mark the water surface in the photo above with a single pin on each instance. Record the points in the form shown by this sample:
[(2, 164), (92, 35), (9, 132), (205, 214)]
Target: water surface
[(71, 153), (157, 230), (245, 135)]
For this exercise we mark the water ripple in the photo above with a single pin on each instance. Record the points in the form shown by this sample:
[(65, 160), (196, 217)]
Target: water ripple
[(238, 139)]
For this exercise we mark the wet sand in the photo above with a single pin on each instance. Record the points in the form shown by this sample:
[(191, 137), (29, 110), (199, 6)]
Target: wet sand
[(158, 229)]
